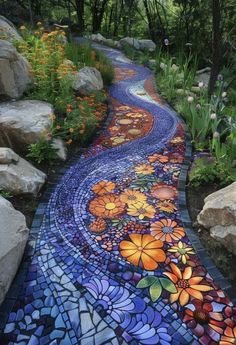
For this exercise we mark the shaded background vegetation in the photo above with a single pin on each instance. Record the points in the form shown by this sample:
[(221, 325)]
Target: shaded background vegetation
[(182, 21)]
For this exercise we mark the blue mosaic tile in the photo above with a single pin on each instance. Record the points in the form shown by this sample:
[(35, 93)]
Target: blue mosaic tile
[(112, 258)]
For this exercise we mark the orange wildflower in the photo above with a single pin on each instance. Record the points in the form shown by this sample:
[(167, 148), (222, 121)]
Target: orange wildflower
[(143, 250), (103, 187), (186, 285), (71, 130), (106, 206), (69, 108), (131, 197), (167, 230)]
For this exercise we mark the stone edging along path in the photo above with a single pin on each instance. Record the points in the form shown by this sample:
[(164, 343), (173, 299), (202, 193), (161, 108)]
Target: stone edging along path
[(111, 257)]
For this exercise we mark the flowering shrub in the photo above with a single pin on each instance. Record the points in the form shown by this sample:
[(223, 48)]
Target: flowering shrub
[(54, 62)]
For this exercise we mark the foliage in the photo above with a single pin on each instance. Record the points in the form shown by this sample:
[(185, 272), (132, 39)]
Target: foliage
[(84, 55), (83, 117), (5, 194), (54, 62), (42, 151), (156, 285), (211, 129)]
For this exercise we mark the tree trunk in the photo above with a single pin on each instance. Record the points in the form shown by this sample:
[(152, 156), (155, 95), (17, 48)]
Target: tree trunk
[(98, 9), (80, 14), (216, 45)]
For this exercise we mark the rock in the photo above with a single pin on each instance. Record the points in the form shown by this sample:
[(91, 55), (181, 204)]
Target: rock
[(219, 208), (98, 38), (15, 75), (133, 42), (226, 235), (147, 45), (8, 31), (59, 145), (204, 70), (110, 42), (8, 156), (19, 177), (88, 79), (14, 234), (203, 76), (23, 123)]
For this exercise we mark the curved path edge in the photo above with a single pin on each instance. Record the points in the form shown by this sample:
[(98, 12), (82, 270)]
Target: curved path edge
[(13, 292)]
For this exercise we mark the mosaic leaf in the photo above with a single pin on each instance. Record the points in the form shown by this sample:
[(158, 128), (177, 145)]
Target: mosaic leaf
[(146, 282), (168, 285), (155, 290)]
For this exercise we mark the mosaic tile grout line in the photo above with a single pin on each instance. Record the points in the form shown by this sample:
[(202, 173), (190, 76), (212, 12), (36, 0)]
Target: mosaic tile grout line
[(39, 217)]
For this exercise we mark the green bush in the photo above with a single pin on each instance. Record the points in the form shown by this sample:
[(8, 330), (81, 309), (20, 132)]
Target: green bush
[(42, 151)]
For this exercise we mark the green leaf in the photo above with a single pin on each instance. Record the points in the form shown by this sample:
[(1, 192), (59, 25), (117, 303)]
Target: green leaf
[(146, 281), (168, 285), (155, 291)]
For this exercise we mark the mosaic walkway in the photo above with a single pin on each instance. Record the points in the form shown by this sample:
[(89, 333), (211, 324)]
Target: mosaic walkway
[(112, 262)]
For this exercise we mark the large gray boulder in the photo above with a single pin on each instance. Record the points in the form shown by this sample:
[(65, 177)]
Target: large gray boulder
[(8, 31), (219, 208), (133, 42), (226, 235), (23, 123), (98, 38), (147, 45), (15, 72), (14, 234), (219, 215), (18, 176), (87, 80)]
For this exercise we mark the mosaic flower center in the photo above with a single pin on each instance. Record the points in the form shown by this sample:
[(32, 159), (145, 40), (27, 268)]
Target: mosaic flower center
[(110, 206), (140, 248), (132, 197), (201, 316), (142, 211), (182, 283), (167, 229), (182, 251)]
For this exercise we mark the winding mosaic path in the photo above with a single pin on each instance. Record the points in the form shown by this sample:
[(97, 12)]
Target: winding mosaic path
[(113, 263)]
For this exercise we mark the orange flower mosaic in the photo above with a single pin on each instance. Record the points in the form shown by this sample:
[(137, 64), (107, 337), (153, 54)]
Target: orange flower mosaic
[(144, 169), (186, 284), (163, 191), (107, 206), (143, 251), (167, 230), (141, 210), (99, 225), (103, 187), (131, 197)]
